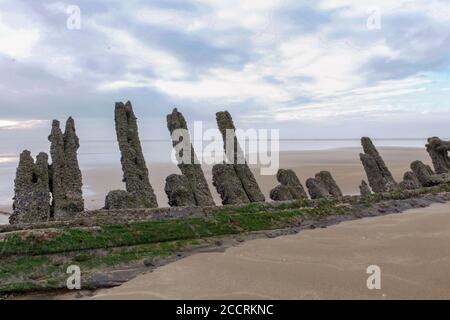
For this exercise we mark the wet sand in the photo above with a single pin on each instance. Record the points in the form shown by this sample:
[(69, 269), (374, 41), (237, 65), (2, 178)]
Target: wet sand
[(410, 248), (344, 164)]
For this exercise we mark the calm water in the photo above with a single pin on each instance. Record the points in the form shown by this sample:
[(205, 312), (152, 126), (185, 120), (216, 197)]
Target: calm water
[(93, 154)]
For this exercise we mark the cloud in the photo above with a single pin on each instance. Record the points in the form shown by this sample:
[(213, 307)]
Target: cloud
[(435, 9), (226, 85), (139, 56), (270, 61), (56, 7), (4, 160), (25, 124), (374, 102), (18, 36), (299, 67), (172, 19), (211, 15), (128, 82)]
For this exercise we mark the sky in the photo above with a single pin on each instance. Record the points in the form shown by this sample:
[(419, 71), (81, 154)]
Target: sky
[(312, 69)]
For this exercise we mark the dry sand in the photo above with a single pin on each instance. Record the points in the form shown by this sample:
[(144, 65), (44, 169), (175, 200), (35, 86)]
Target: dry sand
[(344, 164), (412, 250)]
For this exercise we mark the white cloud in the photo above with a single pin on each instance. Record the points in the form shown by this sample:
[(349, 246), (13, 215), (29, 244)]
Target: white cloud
[(309, 66), (221, 23), (57, 7), (17, 39), (129, 81), (299, 67), (62, 65), (24, 37), (172, 19), (277, 67), (362, 103), (227, 85), (248, 14), (435, 9), (25, 124), (141, 56), (4, 159), (212, 15)]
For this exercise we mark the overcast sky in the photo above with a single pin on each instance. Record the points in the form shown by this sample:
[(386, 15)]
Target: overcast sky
[(314, 69)]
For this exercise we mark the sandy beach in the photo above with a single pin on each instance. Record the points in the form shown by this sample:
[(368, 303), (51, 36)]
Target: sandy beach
[(344, 164), (411, 250)]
